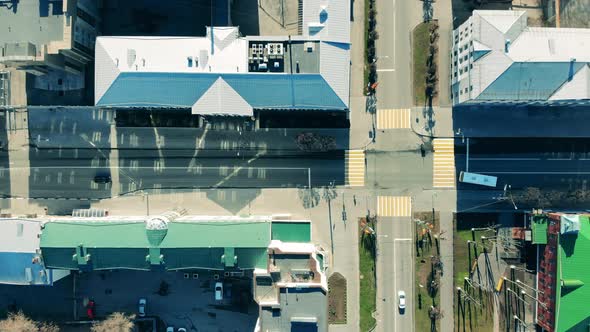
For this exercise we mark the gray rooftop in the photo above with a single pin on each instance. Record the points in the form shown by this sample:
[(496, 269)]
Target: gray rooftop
[(303, 309), (35, 21)]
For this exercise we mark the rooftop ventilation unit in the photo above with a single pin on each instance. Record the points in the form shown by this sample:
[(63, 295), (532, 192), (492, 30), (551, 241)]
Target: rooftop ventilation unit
[(131, 56)]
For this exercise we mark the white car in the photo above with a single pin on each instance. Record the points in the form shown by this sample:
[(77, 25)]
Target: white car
[(141, 309), (218, 291), (170, 329), (181, 329), (401, 296)]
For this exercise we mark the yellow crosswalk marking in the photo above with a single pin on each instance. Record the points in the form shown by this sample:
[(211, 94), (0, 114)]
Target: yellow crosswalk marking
[(354, 168), (393, 118), (394, 206), (444, 163)]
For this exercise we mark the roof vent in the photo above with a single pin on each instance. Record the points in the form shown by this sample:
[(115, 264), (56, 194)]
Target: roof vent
[(131, 56)]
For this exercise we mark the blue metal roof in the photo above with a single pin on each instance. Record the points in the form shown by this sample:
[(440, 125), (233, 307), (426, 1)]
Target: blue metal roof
[(156, 89), (530, 80), (261, 91)]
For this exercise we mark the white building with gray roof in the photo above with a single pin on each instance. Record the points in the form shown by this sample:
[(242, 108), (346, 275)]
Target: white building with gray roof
[(497, 58)]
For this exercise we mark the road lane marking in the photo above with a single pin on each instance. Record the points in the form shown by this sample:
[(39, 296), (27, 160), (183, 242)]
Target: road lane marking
[(393, 118), (444, 163), (504, 159), (354, 161), (537, 173), (385, 70), (394, 206)]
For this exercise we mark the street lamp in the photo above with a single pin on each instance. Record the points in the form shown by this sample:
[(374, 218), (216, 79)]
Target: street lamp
[(460, 133)]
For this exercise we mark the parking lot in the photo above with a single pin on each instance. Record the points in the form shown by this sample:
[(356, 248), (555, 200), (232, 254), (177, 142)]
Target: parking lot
[(177, 300)]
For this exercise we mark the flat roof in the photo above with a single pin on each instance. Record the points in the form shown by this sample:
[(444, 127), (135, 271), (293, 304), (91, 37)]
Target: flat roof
[(302, 309), (35, 21), (19, 235), (221, 51), (133, 234), (572, 312)]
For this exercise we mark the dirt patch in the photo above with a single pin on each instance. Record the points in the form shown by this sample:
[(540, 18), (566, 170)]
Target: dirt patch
[(336, 299)]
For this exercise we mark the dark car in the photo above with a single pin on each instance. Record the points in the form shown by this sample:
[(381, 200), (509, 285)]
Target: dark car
[(102, 178)]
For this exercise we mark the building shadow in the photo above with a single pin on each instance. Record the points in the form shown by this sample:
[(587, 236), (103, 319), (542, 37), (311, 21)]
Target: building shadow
[(233, 200), (568, 243), (245, 15)]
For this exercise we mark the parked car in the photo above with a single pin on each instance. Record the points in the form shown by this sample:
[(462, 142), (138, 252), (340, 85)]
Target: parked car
[(102, 178), (181, 329), (141, 309), (170, 329), (401, 295), (218, 291)]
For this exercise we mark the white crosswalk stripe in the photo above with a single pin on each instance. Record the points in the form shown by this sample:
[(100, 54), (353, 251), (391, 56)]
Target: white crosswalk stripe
[(393, 118), (354, 168), (444, 163), (394, 206)]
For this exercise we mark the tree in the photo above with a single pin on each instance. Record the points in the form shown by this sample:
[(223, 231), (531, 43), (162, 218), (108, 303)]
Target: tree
[(315, 142), (116, 322), (48, 327), (19, 322), (374, 35), (435, 313), (309, 197)]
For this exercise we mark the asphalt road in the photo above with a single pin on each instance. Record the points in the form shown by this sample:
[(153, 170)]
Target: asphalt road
[(397, 260), (402, 171), (544, 163), (395, 20), (70, 172), (398, 170)]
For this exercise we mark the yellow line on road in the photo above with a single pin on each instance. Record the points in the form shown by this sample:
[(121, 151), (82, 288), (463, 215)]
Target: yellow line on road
[(393, 118), (444, 163), (354, 161), (394, 206)]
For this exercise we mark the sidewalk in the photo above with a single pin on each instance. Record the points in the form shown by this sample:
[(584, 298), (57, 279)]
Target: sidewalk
[(435, 122), (339, 234)]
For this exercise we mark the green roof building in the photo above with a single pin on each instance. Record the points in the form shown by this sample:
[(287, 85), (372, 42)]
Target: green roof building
[(184, 243), (562, 274)]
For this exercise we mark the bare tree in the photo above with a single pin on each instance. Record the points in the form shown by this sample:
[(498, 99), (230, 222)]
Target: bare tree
[(48, 327), (19, 322), (116, 322)]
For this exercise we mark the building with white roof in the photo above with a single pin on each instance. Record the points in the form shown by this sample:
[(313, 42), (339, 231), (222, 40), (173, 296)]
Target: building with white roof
[(20, 257), (497, 58), (224, 73)]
